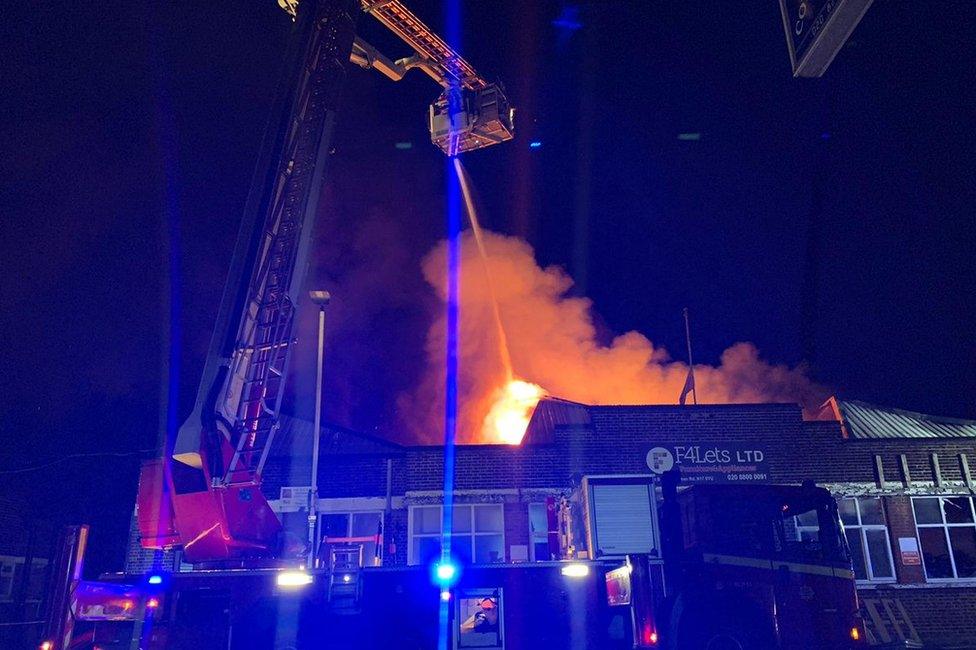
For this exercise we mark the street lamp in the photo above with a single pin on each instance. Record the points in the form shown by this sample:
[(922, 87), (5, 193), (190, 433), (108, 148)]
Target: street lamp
[(320, 298)]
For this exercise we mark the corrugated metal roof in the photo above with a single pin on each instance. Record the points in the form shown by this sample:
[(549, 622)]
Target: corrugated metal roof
[(864, 420)]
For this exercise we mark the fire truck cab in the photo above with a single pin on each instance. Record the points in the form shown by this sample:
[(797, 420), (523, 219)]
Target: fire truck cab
[(741, 566)]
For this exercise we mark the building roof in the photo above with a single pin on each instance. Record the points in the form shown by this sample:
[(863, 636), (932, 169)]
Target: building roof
[(554, 413), (863, 420)]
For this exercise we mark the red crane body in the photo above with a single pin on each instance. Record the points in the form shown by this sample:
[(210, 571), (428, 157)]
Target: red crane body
[(204, 495)]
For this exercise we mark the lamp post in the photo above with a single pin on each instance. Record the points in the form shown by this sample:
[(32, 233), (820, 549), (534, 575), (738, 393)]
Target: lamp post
[(320, 298)]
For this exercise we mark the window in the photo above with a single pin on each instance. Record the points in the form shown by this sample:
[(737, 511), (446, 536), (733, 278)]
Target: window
[(479, 618), (478, 534), (867, 538), (7, 572), (539, 533), (947, 532), (363, 527)]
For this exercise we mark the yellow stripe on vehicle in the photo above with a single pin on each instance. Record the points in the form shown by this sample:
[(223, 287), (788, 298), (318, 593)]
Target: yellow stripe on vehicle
[(797, 567)]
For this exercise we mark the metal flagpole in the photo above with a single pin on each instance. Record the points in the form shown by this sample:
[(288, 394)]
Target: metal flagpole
[(691, 363)]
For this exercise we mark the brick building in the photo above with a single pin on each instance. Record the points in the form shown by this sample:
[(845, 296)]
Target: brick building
[(902, 481), (25, 546)]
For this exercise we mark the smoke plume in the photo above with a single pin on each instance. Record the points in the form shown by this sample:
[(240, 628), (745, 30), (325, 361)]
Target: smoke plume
[(553, 342)]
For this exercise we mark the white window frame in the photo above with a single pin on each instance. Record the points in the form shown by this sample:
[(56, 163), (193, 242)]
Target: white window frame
[(862, 529), (536, 536), (350, 514), (945, 526), (455, 536)]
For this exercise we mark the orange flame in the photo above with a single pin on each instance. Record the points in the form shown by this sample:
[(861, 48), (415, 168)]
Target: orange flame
[(511, 411)]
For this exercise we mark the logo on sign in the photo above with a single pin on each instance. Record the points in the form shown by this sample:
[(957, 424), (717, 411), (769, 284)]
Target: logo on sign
[(715, 463), (660, 460)]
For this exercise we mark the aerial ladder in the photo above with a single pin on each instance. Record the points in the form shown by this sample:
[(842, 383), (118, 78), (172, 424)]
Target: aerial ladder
[(203, 496)]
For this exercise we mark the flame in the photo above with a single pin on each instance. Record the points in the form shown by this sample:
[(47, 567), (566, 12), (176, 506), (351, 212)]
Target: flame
[(511, 411)]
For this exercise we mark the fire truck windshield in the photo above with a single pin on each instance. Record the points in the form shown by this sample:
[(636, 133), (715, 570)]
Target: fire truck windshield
[(808, 530)]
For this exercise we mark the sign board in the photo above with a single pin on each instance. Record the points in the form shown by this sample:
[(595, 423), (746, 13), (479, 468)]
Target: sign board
[(294, 498), (726, 462), (816, 30), (908, 547)]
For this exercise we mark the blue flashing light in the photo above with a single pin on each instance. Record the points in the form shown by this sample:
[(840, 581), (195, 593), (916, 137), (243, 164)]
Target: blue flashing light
[(535, 144), (155, 579), (445, 572)]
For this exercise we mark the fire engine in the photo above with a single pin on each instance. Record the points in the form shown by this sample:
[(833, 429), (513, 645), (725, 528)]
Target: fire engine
[(740, 566), (777, 574)]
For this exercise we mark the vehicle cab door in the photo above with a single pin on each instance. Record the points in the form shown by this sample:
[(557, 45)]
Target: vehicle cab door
[(808, 575)]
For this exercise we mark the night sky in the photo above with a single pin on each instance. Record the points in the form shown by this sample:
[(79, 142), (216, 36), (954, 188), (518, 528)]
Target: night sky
[(828, 221)]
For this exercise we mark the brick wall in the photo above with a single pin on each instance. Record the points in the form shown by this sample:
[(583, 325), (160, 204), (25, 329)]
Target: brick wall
[(516, 526), (938, 617), (901, 523)]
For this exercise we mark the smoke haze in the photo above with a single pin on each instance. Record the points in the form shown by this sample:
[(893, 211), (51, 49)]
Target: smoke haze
[(554, 343)]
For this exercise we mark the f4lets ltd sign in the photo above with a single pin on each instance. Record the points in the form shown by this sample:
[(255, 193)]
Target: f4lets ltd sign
[(722, 463)]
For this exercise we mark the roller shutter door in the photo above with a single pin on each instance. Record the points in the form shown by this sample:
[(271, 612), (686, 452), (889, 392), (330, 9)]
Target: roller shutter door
[(623, 519)]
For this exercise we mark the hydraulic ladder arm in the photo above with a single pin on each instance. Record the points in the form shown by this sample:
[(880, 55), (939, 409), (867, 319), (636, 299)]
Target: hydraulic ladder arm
[(204, 494)]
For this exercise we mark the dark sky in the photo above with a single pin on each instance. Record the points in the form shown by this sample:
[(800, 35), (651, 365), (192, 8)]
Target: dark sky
[(129, 132)]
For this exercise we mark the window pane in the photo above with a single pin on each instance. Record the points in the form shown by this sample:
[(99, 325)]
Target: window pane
[(541, 550), (365, 524), (538, 521), (878, 553), (489, 519), (462, 519), (934, 552), (461, 549), (963, 542), (957, 510), (427, 519), (871, 511), (857, 552), (927, 511), (808, 519), (848, 511), (426, 549), (488, 549), (334, 525)]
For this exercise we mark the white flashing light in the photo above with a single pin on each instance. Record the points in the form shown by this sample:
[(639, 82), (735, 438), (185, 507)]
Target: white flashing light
[(575, 570), (46, 645), (291, 579), (346, 577), (445, 595), (155, 579)]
